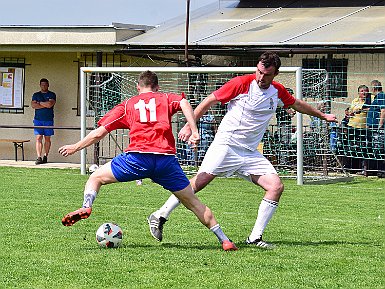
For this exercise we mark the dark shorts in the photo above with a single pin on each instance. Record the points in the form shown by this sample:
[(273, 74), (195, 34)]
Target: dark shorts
[(164, 170), (43, 131)]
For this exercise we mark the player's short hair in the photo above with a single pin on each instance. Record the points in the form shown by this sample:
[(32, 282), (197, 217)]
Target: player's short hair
[(376, 85), (363, 86), (148, 79), (269, 58), (44, 80)]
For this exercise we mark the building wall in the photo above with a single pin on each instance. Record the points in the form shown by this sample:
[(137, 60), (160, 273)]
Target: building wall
[(61, 69)]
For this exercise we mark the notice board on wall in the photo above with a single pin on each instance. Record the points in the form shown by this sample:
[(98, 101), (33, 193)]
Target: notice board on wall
[(11, 87)]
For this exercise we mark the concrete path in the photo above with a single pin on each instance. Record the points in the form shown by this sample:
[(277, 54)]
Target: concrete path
[(31, 164)]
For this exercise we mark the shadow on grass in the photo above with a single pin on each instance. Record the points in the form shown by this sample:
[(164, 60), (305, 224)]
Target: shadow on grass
[(240, 245), (158, 246), (179, 246), (314, 243)]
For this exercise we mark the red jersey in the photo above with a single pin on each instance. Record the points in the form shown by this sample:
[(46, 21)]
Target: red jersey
[(148, 117)]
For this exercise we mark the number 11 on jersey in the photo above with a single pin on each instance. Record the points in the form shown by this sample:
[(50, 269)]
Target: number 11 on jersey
[(143, 107)]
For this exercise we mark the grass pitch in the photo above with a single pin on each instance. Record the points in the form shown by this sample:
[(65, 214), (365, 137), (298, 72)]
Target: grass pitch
[(327, 236)]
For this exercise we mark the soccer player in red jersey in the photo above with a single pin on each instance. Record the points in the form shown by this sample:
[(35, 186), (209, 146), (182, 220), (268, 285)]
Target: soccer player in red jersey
[(150, 154)]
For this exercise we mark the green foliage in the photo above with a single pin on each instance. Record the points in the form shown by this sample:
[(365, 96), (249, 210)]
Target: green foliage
[(327, 236)]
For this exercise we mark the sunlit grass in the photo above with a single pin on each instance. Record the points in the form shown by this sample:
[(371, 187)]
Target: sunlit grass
[(327, 236)]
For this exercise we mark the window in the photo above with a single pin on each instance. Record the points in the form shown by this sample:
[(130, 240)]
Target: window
[(12, 85)]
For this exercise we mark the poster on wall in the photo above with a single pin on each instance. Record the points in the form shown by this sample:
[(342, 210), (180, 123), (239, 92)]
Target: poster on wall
[(11, 87)]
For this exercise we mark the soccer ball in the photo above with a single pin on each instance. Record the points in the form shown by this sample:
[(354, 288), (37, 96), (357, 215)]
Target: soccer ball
[(109, 235)]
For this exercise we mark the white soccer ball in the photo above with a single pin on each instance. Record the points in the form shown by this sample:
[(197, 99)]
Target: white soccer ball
[(109, 235), (93, 168)]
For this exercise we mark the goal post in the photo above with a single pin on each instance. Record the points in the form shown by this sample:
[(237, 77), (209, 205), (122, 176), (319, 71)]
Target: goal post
[(105, 87)]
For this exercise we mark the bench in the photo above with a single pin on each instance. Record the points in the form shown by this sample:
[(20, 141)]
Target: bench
[(17, 143)]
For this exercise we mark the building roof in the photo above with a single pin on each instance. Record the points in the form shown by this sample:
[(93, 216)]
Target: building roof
[(66, 38), (240, 24)]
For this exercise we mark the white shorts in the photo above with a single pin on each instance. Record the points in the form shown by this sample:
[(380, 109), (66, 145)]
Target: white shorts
[(225, 160)]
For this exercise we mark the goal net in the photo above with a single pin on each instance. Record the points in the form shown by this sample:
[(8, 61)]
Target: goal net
[(298, 146)]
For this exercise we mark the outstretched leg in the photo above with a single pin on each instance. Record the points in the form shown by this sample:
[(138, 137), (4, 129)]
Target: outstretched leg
[(205, 216), (158, 218), (101, 176)]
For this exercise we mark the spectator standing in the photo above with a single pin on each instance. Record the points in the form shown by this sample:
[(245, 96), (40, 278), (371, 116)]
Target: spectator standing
[(43, 103), (356, 128), (317, 124), (207, 132), (375, 124), (345, 120), (342, 140)]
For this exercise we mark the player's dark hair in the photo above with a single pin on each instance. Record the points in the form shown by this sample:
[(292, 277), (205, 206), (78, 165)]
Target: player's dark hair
[(376, 84), (44, 80), (269, 58), (363, 86), (148, 79)]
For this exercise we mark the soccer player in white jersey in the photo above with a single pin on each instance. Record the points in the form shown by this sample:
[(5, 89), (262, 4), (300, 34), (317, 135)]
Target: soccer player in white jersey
[(252, 100), (150, 153)]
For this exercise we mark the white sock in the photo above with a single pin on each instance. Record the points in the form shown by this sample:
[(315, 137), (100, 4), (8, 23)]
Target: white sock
[(265, 212), (217, 230), (89, 198), (171, 204)]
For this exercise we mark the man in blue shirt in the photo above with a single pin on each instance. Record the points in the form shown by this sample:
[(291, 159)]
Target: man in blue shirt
[(375, 123), (43, 102)]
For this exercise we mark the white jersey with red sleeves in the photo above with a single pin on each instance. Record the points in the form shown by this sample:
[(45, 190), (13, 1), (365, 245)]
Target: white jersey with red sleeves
[(250, 109), (148, 117)]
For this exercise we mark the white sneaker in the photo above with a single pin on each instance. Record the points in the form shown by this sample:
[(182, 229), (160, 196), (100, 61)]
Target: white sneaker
[(260, 243)]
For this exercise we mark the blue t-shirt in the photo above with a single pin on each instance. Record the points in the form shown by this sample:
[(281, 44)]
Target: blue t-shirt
[(206, 125), (44, 113), (373, 117)]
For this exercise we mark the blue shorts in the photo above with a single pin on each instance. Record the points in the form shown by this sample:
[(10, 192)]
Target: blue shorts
[(164, 170), (43, 131)]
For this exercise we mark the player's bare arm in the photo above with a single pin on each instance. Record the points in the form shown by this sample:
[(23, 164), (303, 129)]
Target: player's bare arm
[(36, 105), (200, 110), (304, 107), (45, 104), (48, 104), (93, 137), (187, 110)]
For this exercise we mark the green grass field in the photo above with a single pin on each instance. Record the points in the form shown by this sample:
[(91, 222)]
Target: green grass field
[(327, 236)]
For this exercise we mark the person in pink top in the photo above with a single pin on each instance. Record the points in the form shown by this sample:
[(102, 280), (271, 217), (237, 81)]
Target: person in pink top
[(252, 101), (150, 154)]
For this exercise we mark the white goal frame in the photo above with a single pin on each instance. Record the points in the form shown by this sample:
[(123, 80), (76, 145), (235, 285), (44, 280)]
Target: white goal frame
[(83, 99)]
